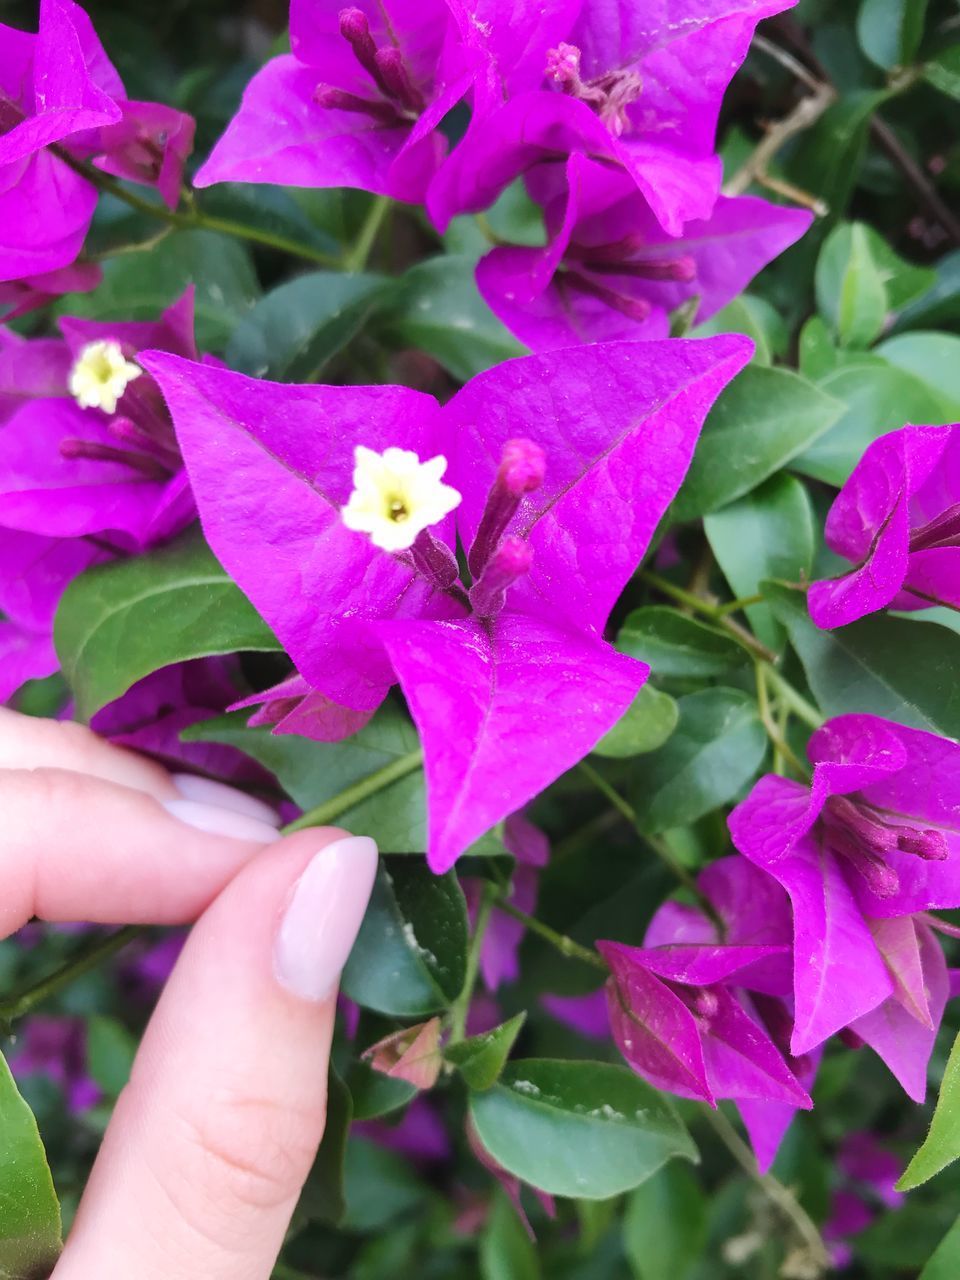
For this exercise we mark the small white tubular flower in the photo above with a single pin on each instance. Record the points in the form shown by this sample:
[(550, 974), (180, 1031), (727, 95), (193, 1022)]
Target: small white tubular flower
[(100, 375), (395, 496)]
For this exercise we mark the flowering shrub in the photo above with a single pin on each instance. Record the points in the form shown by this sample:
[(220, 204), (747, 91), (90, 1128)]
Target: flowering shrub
[(523, 434)]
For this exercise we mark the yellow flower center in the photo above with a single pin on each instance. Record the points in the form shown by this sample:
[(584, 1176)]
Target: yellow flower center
[(100, 375), (396, 496)]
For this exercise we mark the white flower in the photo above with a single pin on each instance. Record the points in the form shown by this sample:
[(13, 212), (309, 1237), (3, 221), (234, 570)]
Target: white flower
[(395, 496), (100, 375)]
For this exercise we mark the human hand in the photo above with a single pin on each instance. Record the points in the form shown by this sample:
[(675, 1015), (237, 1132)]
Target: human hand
[(211, 1140)]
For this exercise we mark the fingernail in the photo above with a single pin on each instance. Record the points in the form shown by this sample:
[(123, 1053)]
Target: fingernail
[(206, 791), (221, 822), (322, 918)]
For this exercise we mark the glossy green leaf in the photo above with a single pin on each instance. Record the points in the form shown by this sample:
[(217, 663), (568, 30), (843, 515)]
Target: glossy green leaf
[(889, 31), (770, 533), (761, 421), (375, 1094), (943, 72), (944, 1262), (438, 309), (675, 645), (588, 1130), (323, 1197), (137, 286), (120, 621), (480, 1059), (850, 288), (411, 953), (877, 398), (292, 332), (933, 358), (712, 754), (29, 1210), (904, 670), (646, 724), (665, 1224), (755, 317), (506, 1251), (941, 1146), (940, 304), (818, 350)]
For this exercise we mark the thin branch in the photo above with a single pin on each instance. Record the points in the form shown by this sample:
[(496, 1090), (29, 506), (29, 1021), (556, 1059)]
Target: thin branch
[(779, 1195), (805, 114)]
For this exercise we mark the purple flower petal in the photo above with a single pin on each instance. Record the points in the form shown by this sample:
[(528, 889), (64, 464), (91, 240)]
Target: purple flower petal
[(510, 684)]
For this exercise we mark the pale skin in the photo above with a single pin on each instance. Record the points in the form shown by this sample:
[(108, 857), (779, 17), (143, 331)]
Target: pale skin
[(211, 1141)]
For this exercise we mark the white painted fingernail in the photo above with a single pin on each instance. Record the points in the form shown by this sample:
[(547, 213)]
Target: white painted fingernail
[(221, 822), (206, 791), (322, 918)]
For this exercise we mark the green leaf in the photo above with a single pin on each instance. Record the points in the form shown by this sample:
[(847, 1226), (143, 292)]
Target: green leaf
[(587, 1130), (712, 754), (851, 293), (818, 353), (506, 1251), (755, 317), (29, 1210), (904, 670), (940, 305), (944, 1262), (878, 398), (480, 1059), (374, 1094), (292, 332), (665, 1224), (768, 534), (933, 358), (323, 1197), (120, 621), (438, 309), (268, 208), (941, 1146), (138, 286), (380, 1187), (760, 422), (110, 1053), (889, 31), (943, 72), (312, 772), (410, 957), (675, 645), (645, 725)]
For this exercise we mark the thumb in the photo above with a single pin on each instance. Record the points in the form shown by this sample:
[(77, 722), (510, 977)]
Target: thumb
[(211, 1141)]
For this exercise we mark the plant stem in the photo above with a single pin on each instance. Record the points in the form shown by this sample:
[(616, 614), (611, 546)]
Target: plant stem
[(193, 219), (800, 707), (559, 941), (460, 1008), (347, 799), (356, 258), (627, 810), (717, 613), (22, 1003), (779, 1195), (734, 606), (781, 746)]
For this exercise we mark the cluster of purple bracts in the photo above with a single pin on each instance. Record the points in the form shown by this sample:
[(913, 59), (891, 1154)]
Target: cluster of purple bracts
[(561, 466), (62, 102), (611, 126), (609, 118)]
